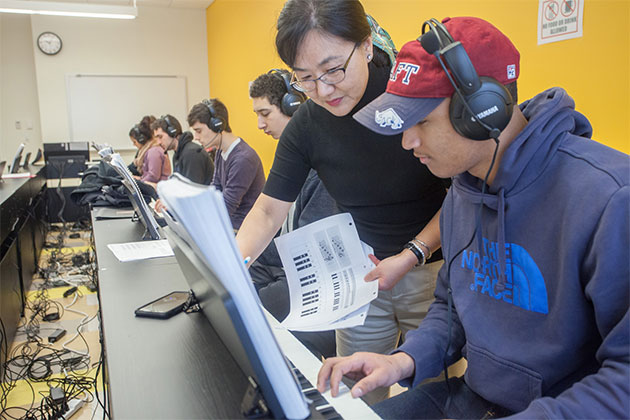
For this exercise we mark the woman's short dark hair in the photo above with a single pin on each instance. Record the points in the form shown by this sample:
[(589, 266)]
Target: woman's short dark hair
[(141, 132), (269, 86), (201, 113), (345, 19)]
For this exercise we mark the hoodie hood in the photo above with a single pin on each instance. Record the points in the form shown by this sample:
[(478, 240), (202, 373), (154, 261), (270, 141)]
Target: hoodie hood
[(551, 116), (185, 138)]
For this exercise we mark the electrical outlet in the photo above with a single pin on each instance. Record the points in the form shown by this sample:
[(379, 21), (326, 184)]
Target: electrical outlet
[(18, 125)]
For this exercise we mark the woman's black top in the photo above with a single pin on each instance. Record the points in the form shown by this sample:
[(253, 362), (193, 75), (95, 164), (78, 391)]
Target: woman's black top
[(389, 193)]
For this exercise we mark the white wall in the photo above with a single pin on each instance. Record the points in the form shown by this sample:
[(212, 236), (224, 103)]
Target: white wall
[(161, 41), (18, 88)]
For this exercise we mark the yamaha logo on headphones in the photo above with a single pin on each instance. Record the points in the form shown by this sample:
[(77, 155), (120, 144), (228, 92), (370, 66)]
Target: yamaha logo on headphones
[(487, 112)]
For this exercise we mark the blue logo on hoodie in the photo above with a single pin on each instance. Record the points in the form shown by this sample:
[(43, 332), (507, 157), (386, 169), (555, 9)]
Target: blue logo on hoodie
[(524, 284)]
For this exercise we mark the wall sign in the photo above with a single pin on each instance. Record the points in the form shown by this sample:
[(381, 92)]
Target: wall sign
[(559, 20)]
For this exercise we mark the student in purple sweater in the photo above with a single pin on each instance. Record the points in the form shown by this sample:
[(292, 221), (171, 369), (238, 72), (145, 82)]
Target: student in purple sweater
[(238, 171), (151, 163)]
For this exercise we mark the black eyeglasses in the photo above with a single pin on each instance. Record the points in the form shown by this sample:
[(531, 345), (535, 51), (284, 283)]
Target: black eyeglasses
[(331, 77)]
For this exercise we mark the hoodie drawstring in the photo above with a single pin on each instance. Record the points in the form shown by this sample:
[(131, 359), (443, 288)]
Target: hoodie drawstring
[(501, 240), (495, 202)]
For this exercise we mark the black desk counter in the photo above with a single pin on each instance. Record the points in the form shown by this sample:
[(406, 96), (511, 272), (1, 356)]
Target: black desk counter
[(22, 235), (16, 195), (176, 368), (158, 369)]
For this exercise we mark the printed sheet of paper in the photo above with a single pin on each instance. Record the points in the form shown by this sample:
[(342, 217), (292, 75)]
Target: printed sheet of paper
[(133, 251), (325, 263)]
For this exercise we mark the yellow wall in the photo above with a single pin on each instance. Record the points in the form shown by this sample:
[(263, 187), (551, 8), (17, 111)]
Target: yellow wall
[(594, 69)]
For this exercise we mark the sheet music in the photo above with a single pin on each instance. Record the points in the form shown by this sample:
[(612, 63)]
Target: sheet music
[(200, 211), (325, 263), (143, 250)]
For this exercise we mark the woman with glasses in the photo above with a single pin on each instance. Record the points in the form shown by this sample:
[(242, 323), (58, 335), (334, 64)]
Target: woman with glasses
[(393, 200)]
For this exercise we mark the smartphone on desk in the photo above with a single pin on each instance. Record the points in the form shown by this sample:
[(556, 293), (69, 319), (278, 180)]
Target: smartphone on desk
[(164, 307)]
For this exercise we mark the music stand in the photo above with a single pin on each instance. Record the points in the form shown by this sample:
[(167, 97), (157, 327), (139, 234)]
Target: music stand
[(142, 209), (26, 160), (37, 157), (220, 309), (15, 165)]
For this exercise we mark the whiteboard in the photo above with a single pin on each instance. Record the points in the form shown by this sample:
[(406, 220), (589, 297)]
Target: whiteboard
[(103, 108)]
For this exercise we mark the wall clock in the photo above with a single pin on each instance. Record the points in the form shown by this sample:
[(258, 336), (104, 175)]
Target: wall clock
[(49, 43)]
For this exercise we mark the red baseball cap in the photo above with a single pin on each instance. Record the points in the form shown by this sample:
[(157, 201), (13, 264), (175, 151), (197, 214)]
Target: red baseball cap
[(418, 84)]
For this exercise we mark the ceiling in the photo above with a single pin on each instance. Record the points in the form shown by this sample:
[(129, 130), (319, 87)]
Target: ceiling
[(187, 4)]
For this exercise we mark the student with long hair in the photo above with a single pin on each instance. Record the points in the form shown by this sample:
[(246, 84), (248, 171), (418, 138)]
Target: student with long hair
[(151, 163)]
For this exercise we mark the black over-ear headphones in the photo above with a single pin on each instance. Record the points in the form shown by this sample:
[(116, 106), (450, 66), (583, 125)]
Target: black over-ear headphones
[(171, 130), (291, 100), (137, 134), (217, 123), (481, 107)]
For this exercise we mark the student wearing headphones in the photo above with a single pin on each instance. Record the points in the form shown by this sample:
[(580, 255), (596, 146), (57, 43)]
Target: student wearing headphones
[(150, 165), (189, 160), (238, 169), (275, 101), (534, 290)]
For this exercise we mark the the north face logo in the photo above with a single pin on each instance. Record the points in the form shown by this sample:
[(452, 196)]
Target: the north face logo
[(388, 118)]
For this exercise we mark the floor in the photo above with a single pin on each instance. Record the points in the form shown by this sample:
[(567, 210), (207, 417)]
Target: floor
[(73, 361), (70, 363)]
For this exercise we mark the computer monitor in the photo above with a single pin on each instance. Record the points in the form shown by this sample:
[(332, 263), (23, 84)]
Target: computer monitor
[(142, 209), (66, 160), (264, 364), (15, 165)]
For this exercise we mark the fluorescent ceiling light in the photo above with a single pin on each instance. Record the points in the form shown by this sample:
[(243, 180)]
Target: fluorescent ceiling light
[(68, 9)]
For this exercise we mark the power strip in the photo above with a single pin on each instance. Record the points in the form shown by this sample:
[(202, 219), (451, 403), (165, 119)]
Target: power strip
[(73, 406)]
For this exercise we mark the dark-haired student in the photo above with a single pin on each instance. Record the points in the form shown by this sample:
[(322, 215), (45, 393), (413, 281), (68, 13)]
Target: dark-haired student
[(238, 169), (274, 104), (150, 165), (392, 198), (535, 289), (190, 160)]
